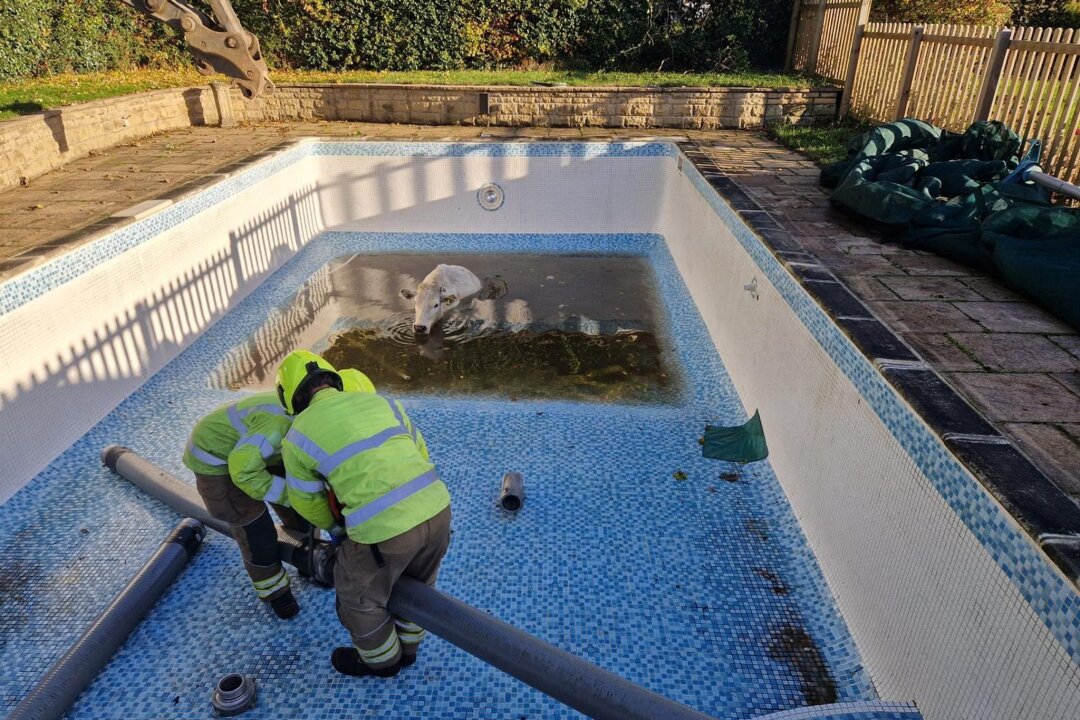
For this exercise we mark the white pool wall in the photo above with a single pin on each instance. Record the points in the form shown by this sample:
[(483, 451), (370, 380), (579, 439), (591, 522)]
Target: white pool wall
[(541, 194), (72, 354)]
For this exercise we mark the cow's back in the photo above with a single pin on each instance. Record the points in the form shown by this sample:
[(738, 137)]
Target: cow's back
[(457, 280)]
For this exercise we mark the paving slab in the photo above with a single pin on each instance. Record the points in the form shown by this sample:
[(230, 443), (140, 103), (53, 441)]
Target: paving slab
[(862, 265), (942, 352), (1070, 380), (870, 288), (1053, 449), (1013, 317), (1016, 352), (929, 288), (923, 264), (991, 289), (1071, 343), (923, 316), (1018, 397)]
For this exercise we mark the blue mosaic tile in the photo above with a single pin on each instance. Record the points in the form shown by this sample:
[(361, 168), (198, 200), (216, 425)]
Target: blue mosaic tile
[(1038, 581), (502, 149), (669, 583)]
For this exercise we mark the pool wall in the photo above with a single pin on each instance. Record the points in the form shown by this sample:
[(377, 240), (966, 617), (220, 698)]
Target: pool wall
[(951, 603), (131, 301)]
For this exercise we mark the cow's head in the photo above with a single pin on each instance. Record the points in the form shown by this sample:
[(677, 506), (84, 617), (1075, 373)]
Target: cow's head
[(430, 304)]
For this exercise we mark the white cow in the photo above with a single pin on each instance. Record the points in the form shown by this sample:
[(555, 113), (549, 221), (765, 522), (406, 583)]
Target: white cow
[(445, 289)]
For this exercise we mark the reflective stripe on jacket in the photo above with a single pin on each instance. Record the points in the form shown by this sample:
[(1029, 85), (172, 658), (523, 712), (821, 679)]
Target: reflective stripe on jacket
[(242, 439), (369, 452)]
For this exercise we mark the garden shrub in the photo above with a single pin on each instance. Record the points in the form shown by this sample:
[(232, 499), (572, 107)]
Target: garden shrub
[(39, 37)]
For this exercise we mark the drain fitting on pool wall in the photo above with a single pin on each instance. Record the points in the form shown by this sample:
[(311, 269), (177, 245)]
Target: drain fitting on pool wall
[(752, 288), (233, 695), (490, 196), (513, 491)]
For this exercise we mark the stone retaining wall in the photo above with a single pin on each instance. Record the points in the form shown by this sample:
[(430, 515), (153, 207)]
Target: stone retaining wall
[(690, 108), (35, 144)]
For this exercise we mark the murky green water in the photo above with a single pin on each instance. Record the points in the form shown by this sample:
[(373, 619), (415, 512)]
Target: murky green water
[(567, 327)]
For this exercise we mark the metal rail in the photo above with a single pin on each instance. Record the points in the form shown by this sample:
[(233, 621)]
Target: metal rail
[(218, 42), (1037, 176)]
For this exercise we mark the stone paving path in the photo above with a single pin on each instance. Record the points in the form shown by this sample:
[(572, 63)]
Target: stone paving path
[(1015, 362)]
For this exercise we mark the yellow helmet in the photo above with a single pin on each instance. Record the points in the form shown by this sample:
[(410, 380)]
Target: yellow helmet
[(297, 374), (353, 380)]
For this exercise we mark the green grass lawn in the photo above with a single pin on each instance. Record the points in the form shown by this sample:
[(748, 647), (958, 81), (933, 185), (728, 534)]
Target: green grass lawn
[(823, 144), (37, 94)]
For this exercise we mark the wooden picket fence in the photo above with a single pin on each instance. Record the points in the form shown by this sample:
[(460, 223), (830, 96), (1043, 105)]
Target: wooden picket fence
[(821, 34), (949, 75)]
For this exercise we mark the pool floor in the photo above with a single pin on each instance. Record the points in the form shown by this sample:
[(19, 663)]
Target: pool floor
[(687, 576)]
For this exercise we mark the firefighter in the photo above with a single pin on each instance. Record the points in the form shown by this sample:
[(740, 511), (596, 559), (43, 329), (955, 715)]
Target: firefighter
[(358, 453), (235, 453)]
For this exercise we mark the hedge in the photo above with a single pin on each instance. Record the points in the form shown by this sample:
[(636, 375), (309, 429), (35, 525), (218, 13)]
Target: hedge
[(40, 37)]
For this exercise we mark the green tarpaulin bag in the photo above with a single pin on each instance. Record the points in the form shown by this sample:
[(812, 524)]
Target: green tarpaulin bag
[(952, 194), (895, 174), (914, 136), (744, 443), (1037, 251), (963, 176), (954, 229), (881, 189)]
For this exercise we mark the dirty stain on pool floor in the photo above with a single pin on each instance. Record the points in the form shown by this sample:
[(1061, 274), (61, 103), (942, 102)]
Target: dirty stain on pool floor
[(687, 576)]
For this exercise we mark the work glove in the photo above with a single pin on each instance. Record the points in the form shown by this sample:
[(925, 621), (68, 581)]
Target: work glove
[(337, 535)]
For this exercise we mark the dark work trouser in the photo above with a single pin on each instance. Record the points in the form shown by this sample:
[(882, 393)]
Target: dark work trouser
[(363, 588), (253, 529)]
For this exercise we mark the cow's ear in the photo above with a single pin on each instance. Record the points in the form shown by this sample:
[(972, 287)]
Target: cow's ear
[(407, 293), (449, 299)]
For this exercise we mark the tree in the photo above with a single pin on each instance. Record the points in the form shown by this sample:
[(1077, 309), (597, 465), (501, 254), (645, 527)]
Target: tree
[(1046, 13), (966, 12)]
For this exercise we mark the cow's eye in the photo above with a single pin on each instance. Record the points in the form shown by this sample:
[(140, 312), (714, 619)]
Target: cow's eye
[(435, 305)]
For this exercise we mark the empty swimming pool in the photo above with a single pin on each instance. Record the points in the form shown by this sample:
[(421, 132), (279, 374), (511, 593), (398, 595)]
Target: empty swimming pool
[(860, 569)]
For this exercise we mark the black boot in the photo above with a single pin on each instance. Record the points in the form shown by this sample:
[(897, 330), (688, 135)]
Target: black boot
[(347, 662), (285, 605)]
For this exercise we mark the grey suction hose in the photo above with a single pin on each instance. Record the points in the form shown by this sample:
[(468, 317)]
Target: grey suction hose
[(59, 687), (151, 479), (554, 672), (569, 679), (185, 499)]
